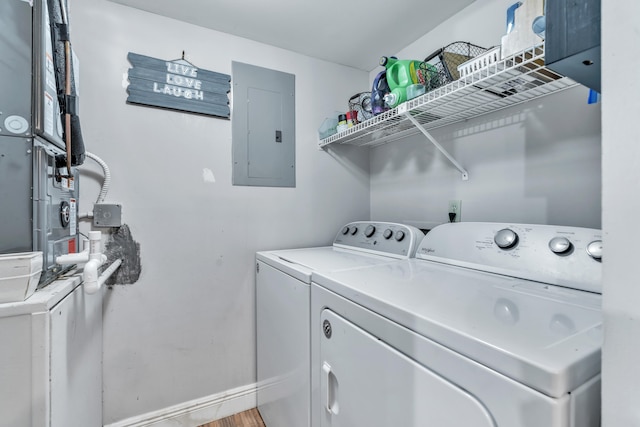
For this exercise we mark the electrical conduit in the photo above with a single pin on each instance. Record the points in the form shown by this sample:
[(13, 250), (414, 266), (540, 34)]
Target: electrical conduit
[(107, 176)]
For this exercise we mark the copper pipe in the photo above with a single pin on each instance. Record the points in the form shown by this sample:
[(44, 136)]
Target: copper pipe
[(67, 90), (67, 116)]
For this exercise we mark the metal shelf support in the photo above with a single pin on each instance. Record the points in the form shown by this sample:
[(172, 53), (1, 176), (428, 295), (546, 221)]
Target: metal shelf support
[(465, 174)]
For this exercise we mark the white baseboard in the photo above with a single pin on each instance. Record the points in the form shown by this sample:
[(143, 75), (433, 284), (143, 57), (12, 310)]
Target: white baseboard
[(196, 412)]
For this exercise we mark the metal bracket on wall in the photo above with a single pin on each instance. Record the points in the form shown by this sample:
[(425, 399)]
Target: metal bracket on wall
[(407, 114)]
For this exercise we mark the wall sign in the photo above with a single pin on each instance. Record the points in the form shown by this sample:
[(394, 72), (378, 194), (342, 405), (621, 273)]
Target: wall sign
[(177, 85)]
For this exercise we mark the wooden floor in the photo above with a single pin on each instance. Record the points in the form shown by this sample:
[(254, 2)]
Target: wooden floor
[(250, 418)]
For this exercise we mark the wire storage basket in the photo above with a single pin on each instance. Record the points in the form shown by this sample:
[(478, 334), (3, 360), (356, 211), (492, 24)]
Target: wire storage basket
[(361, 104), (441, 67)]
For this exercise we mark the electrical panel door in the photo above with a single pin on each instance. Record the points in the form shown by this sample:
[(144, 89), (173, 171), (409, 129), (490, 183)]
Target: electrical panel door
[(263, 127)]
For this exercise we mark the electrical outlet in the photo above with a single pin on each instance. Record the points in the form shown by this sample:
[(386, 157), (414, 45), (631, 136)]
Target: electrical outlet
[(455, 210)]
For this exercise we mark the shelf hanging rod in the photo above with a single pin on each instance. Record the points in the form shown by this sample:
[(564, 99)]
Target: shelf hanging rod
[(465, 174)]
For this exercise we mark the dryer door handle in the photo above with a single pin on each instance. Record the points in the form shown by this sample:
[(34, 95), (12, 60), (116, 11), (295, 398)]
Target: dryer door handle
[(330, 384)]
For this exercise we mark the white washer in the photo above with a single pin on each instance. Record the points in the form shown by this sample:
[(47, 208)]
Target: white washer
[(283, 279), (490, 325)]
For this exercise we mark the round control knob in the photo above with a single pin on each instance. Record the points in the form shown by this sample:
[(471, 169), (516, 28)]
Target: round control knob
[(399, 235), (65, 214), (560, 245), (594, 249), (354, 230), (387, 234), (345, 230), (369, 230), (506, 238)]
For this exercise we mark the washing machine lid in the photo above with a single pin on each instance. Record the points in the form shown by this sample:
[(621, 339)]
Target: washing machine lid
[(300, 263), (544, 336)]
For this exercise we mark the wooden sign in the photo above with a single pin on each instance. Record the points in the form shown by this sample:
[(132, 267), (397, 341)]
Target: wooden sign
[(177, 85)]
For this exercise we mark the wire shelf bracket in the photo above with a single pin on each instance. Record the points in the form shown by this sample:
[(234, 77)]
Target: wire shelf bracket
[(407, 114)]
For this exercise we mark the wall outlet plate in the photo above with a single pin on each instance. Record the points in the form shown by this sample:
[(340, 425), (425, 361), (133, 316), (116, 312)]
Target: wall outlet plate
[(105, 215), (455, 207)]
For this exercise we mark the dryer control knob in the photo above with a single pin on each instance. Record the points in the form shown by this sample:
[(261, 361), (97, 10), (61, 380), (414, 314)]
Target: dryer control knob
[(594, 249), (345, 230), (399, 235), (560, 245), (506, 238), (369, 230), (354, 230), (387, 234)]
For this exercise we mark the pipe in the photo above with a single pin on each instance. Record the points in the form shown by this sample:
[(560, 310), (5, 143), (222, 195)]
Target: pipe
[(93, 283), (95, 246), (90, 276), (93, 251), (76, 258), (94, 258), (67, 90)]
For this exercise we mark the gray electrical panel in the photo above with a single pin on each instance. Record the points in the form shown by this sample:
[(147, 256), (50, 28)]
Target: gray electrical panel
[(263, 127)]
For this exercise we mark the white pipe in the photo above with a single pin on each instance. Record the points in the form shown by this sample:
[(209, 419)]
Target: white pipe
[(95, 246), (93, 251), (93, 283), (94, 258), (90, 276), (76, 258), (107, 176)]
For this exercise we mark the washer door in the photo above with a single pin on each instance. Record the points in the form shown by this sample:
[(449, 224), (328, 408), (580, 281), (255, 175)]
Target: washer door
[(365, 382)]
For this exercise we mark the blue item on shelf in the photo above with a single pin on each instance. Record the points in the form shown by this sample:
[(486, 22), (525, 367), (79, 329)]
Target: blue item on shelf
[(378, 91)]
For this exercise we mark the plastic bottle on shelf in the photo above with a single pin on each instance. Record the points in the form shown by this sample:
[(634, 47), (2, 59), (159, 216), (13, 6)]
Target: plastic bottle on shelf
[(391, 99), (342, 123), (378, 91), (400, 75), (350, 118)]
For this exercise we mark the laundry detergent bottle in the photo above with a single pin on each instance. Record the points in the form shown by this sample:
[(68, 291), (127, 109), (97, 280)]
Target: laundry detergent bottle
[(400, 74), (379, 90)]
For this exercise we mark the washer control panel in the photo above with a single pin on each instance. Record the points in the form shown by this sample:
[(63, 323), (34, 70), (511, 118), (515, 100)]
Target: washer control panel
[(387, 238), (566, 256)]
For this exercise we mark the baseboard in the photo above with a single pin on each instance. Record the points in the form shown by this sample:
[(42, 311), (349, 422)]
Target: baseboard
[(196, 412)]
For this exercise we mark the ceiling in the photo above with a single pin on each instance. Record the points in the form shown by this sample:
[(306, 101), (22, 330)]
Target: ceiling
[(353, 33)]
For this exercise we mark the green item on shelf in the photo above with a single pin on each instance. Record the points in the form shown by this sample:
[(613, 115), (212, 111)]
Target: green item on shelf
[(400, 74)]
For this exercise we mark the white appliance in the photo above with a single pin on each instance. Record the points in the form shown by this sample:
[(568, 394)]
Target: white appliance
[(51, 358), (490, 325), (283, 279)]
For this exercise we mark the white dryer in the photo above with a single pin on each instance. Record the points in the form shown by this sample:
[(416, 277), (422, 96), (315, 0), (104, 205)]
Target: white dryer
[(283, 279), (490, 325)]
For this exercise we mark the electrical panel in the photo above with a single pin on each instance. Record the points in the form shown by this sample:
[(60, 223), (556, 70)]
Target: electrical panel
[(263, 127)]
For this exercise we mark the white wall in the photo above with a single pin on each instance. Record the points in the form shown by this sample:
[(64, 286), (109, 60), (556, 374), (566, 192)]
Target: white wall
[(535, 163), (185, 330), (621, 210)]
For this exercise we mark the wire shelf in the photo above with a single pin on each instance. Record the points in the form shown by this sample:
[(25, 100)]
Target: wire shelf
[(511, 81)]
